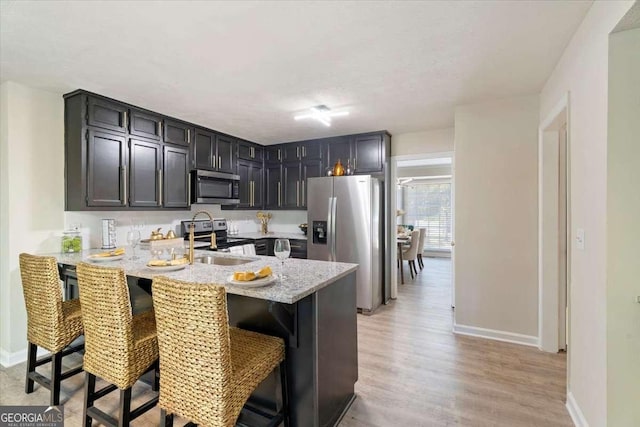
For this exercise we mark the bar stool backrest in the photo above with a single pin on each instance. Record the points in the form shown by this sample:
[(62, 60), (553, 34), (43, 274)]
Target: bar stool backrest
[(107, 318), (43, 300), (195, 354)]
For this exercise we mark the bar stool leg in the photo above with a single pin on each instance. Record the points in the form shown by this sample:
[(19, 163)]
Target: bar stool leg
[(31, 367), (56, 373), (166, 420), (285, 392), (89, 398), (125, 407)]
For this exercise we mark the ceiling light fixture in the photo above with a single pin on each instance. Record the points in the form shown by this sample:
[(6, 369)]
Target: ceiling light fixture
[(321, 113)]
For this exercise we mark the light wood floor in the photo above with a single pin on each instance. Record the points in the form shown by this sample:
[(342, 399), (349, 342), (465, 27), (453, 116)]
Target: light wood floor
[(412, 371)]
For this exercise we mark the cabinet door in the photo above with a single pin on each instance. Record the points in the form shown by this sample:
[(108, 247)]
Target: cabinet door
[(106, 114), (177, 132), (175, 177), (298, 248), (245, 184), (338, 148), (273, 186), (368, 154), (291, 152), (272, 154), (291, 185), (256, 175), (311, 150), (249, 151), (145, 171), (106, 169), (204, 155), (310, 169), (226, 159), (145, 125), (261, 247)]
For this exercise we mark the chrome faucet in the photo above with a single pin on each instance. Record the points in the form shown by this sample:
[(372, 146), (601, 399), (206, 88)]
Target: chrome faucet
[(192, 227)]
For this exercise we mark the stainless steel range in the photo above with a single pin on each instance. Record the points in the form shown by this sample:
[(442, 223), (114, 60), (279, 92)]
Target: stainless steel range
[(203, 230)]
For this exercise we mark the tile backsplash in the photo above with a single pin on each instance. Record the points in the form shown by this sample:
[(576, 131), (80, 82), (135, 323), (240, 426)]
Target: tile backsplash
[(90, 222)]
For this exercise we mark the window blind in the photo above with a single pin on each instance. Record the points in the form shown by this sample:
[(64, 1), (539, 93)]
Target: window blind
[(428, 205)]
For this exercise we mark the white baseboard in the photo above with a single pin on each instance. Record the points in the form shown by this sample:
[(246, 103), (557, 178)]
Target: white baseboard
[(575, 412), (493, 334), (8, 360)]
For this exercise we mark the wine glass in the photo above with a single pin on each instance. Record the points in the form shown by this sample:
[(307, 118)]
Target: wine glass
[(133, 238), (282, 250)]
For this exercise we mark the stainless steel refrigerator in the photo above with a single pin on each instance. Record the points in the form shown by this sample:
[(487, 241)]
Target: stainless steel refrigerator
[(346, 224)]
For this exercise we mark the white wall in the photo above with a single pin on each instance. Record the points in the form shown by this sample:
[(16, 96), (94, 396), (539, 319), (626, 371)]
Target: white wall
[(429, 141), (582, 71), (496, 157), (32, 195), (623, 230)]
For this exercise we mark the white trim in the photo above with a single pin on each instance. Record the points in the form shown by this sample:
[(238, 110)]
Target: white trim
[(575, 412), (8, 360), (555, 111), (492, 334)]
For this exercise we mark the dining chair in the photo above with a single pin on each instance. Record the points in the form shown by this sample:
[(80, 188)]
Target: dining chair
[(119, 346), (411, 253), (52, 324), (209, 369), (423, 233)]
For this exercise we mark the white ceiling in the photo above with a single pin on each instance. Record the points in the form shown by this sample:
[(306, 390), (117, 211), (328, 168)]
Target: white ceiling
[(246, 68)]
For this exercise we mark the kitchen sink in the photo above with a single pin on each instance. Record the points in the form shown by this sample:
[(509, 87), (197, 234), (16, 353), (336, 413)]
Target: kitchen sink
[(218, 260)]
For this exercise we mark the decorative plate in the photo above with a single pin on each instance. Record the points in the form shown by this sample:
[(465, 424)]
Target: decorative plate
[(167, 267), (253, 283), (96, 258)]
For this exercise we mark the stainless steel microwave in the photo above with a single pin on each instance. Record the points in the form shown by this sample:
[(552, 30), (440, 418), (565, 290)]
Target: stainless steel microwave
[(215, 187)]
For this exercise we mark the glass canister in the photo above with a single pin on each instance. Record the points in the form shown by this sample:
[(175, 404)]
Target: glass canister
[(71, 241)]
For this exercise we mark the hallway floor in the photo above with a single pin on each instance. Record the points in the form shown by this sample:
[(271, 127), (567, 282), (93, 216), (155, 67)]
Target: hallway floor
[(413, 371)]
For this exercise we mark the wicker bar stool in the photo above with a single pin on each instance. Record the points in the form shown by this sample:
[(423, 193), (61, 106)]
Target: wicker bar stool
[(119, 347), (52, 324), (209, 369)]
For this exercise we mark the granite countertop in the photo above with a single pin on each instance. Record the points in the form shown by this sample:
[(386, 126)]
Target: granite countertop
[(272, 235), (303, 277)]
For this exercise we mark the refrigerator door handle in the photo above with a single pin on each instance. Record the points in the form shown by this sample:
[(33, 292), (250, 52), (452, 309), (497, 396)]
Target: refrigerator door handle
[(334, 207), (330, 229)]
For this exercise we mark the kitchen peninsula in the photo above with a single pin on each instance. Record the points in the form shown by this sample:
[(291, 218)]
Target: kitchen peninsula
[(313, 309)]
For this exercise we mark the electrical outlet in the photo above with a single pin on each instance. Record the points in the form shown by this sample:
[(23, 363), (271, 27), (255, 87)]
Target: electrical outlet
[(580, 239)]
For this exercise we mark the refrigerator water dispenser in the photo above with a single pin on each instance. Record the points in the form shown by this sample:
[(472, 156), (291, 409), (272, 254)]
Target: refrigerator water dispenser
[(320, 232)]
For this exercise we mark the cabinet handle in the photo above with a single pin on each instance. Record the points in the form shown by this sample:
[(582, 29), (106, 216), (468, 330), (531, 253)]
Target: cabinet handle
[(189, 189), (219, 162), (160, 186), (303, 199), (304, 151), (298, 152), (279, 196), (250, 193), (295, 246), (188, 136), (124, 186), (354, 164), (279, 155), (124, 119), (213, 161), (160, 129), (297, 193)]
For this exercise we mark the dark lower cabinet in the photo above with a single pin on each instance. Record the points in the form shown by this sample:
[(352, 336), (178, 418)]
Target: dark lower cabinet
[(262, 247), (106, 169), (145, 171), (298, 248), (175, 175)]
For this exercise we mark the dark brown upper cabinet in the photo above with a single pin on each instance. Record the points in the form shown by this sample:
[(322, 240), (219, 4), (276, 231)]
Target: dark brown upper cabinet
[(176, 132), (272, 154), (175, 176), (213, 152), (106, 114), (106, 170), (250, 151), (338, 148), (368, 154), (145, 173), (306, 150), (273, 186), (145, 125)]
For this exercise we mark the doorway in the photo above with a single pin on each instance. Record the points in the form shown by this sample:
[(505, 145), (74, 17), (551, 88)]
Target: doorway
[(414, 177), (553, 230)]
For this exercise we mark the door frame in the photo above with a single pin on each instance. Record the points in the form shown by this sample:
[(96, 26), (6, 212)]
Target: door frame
[(549, 285), (393, 207)]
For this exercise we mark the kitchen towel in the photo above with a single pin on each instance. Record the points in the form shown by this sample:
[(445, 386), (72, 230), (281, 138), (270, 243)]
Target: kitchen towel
[(249, 249), (236, 250)]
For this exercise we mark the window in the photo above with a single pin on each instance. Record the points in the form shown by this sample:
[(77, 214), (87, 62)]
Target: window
[(428, 205)]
